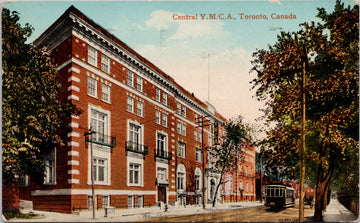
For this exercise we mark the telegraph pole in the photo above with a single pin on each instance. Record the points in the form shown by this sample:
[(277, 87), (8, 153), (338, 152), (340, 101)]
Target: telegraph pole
[(203, 160), (261, 183), (303, 137), (92, 170)]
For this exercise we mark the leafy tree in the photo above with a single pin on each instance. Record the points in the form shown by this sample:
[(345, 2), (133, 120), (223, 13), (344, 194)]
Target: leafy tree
[(34, 116), (330, 51), (229, 153)]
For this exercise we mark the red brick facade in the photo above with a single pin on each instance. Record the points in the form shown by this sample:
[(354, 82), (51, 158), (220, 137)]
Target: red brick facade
[(146, 140), (239, 184)]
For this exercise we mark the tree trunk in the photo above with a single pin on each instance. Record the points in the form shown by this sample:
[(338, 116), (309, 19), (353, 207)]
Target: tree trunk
[(221, 175), (323, 183), (217, 188)]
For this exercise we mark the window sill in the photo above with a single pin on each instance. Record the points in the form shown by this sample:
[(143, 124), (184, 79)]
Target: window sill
[(135, 185), (50, 184), (108, 102), (93, 96), (99, 183)]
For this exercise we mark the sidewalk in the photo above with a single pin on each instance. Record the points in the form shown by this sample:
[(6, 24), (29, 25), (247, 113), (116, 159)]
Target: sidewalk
[(136, 214), (336, 212)]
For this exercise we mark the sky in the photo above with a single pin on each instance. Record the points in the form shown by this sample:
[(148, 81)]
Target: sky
[(194, 52)]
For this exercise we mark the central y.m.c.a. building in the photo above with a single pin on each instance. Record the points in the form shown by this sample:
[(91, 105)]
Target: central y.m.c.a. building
[(139, 126)]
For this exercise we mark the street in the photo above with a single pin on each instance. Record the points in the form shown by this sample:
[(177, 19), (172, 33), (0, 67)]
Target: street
[(255, 214)]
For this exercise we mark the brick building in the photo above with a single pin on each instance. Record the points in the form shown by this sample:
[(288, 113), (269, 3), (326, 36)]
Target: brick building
[(139, 127), (240, 183)]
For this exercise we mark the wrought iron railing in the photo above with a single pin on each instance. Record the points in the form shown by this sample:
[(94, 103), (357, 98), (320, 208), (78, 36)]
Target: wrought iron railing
[(136, 147), (100, 139), (163, 154)]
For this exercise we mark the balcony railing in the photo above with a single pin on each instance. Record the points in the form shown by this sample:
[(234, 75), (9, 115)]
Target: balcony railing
[(163, 154), (136, 147), (101, 139)]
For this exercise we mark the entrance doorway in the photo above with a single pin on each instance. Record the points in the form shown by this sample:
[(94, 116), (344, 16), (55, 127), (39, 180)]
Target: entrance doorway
[(162, 193)]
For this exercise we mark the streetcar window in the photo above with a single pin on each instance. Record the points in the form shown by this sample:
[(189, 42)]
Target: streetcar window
[(277, 192), (281, 192)]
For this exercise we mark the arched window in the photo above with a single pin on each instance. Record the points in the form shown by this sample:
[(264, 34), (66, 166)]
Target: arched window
[(198, 174)]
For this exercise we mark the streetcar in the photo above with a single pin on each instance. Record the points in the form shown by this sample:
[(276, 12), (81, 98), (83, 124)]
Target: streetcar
[(279, 196)]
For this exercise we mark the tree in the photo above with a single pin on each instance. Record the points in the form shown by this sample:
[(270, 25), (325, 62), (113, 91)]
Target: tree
[(330, 50), (229, 153), (34, 115)]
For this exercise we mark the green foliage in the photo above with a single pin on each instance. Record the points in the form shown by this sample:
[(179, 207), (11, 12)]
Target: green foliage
[(329, 53), (229, 153), (237, 133), (9, 214), (34, 118), (331, 87)]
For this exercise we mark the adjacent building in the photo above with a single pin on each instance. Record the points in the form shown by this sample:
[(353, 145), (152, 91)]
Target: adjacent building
[(240, 182)]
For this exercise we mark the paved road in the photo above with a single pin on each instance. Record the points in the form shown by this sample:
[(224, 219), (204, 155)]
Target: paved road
[(255, 214)]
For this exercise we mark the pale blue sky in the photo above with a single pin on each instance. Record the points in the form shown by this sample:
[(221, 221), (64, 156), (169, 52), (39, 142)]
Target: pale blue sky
[(181, 48)]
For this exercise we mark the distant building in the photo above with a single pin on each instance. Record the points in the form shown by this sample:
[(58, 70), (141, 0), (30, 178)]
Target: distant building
[(239, 184)]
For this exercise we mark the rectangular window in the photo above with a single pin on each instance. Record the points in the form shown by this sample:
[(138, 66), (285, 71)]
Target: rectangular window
[(178, 108), (165, 96), (161, 144), (183, 111), (130, 78), (135, 137), (181, 149), (99, 124), (157, 117), (198, 155), (130, 104), (183, 130), (140, 109), (196, 135), (135, 174), (139, 83), (100, 170), (90, 202), (158, 92), (131, 201), (164, 119), (106, 201), (92, 86), (105, 96), (50, 170), (105, 63), (92, 56), (209, 140), (161, 175), (140, 201)]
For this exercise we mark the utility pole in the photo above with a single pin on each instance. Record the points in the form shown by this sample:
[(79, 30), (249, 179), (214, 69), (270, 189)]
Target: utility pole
[(203, 156), (203, 160), (303, 137), (92, 169), (261, 183)]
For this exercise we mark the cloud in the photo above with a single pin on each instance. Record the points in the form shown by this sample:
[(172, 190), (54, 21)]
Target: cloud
[(184, 29), (198, 28), (183, 54), (159, 20)]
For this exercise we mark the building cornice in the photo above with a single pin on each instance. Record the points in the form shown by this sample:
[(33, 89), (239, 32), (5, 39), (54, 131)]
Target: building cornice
[(70, 21)]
